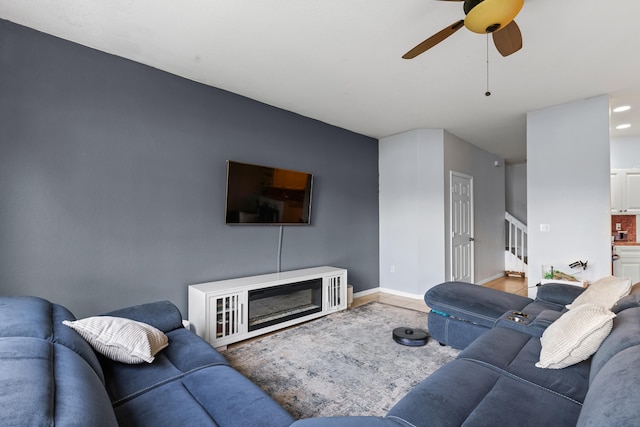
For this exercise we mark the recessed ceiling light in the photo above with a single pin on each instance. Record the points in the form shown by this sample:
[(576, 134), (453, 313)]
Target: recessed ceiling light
[(621, 108), (624, 126)]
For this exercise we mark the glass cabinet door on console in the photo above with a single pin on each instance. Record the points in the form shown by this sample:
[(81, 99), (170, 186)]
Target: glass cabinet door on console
[(227, 317)]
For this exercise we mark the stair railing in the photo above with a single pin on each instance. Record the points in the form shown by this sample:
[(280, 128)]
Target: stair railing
[(516, 243)]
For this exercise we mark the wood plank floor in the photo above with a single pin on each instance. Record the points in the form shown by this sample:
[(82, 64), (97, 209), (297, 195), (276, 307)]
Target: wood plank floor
[(514, 285)]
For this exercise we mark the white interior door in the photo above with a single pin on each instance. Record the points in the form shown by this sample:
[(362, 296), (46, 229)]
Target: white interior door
[(461, 225)]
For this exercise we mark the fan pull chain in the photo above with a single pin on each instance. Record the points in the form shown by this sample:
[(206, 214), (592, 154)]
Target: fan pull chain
[(487, 93)]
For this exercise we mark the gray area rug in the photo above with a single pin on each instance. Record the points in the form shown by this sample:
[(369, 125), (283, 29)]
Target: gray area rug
[(346, 363)]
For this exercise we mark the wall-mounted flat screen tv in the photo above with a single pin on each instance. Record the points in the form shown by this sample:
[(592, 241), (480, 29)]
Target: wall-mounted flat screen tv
[(267, 195)]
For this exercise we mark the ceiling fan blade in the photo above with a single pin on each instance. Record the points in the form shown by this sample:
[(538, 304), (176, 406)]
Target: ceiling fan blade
[(508, 40), (434, 40)]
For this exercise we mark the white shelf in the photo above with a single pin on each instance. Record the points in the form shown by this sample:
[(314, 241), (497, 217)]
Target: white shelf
[(218, 310)]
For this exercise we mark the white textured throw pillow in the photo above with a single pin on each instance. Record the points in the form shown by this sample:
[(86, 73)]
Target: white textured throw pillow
[(605, 292), (121, 339), (575, 336)]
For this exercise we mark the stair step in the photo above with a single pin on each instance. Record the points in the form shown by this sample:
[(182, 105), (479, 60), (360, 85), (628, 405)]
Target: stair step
[(515, 274)]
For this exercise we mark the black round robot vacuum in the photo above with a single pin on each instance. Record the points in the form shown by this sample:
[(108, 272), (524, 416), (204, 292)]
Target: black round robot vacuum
[(410, 336)]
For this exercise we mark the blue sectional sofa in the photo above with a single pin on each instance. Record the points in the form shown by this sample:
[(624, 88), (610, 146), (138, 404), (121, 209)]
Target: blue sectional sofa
[(51, 376), (461, 312), (495, 382)]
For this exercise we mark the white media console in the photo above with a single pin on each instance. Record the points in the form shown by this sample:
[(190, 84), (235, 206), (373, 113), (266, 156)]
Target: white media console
[(228, 311)]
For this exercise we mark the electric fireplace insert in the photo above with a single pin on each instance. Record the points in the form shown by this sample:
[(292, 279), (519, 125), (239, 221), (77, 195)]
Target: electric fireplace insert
[(277, 304)]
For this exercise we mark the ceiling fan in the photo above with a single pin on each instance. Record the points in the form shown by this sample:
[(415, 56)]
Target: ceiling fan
[(483, 17)]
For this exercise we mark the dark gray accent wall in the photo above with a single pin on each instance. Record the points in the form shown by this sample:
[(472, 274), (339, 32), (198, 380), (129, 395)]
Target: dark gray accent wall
[(112, 181)]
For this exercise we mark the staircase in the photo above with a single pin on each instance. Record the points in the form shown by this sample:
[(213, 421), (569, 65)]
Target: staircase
[(515, 254)]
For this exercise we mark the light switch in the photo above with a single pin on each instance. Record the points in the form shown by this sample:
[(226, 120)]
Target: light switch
[(618, 226), (545, 228)]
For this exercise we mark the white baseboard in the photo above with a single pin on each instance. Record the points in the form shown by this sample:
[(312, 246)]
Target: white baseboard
[(388, 291), (415, 296), (367, 292), (489, 279), (401, 294)]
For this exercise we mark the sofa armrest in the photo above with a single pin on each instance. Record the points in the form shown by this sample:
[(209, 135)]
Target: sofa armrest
[(162, 315), (558, 293), (522, 322)]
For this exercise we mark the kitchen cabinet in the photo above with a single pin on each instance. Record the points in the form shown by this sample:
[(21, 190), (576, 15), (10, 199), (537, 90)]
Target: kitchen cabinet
[(625, 191), (628, 263)]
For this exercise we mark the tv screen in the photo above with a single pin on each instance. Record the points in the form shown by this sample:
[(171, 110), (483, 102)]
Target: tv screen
[(267, 195)]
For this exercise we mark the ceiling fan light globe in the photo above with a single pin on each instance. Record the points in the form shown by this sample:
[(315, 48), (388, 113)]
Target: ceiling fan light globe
[(491, 15)]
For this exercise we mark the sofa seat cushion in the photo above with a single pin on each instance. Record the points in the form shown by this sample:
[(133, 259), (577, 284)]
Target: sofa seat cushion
[(213, 396), (188, 383), (473, 303), (186, 353), (516, 353), (465, 392)]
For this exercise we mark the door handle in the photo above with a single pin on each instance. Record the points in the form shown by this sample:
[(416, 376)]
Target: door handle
[(471, 239)]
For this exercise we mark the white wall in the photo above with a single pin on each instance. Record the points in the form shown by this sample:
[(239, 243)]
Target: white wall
[(489, 204), (412, 211), (516, 190), (414, 204), (568, 164), (625, 152)]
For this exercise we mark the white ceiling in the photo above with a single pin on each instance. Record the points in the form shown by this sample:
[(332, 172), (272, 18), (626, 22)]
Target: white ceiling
[(340, 61)]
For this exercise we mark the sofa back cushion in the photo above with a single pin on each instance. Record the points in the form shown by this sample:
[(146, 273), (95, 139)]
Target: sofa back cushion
[(558, 293), (612, 399), (64, 336), (162, 315), (625, 334), (630, 301), (45, 383), (38, 318), (25, 317)]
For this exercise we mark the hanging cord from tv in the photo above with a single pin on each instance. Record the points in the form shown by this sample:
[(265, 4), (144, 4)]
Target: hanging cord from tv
[(280, 249)]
